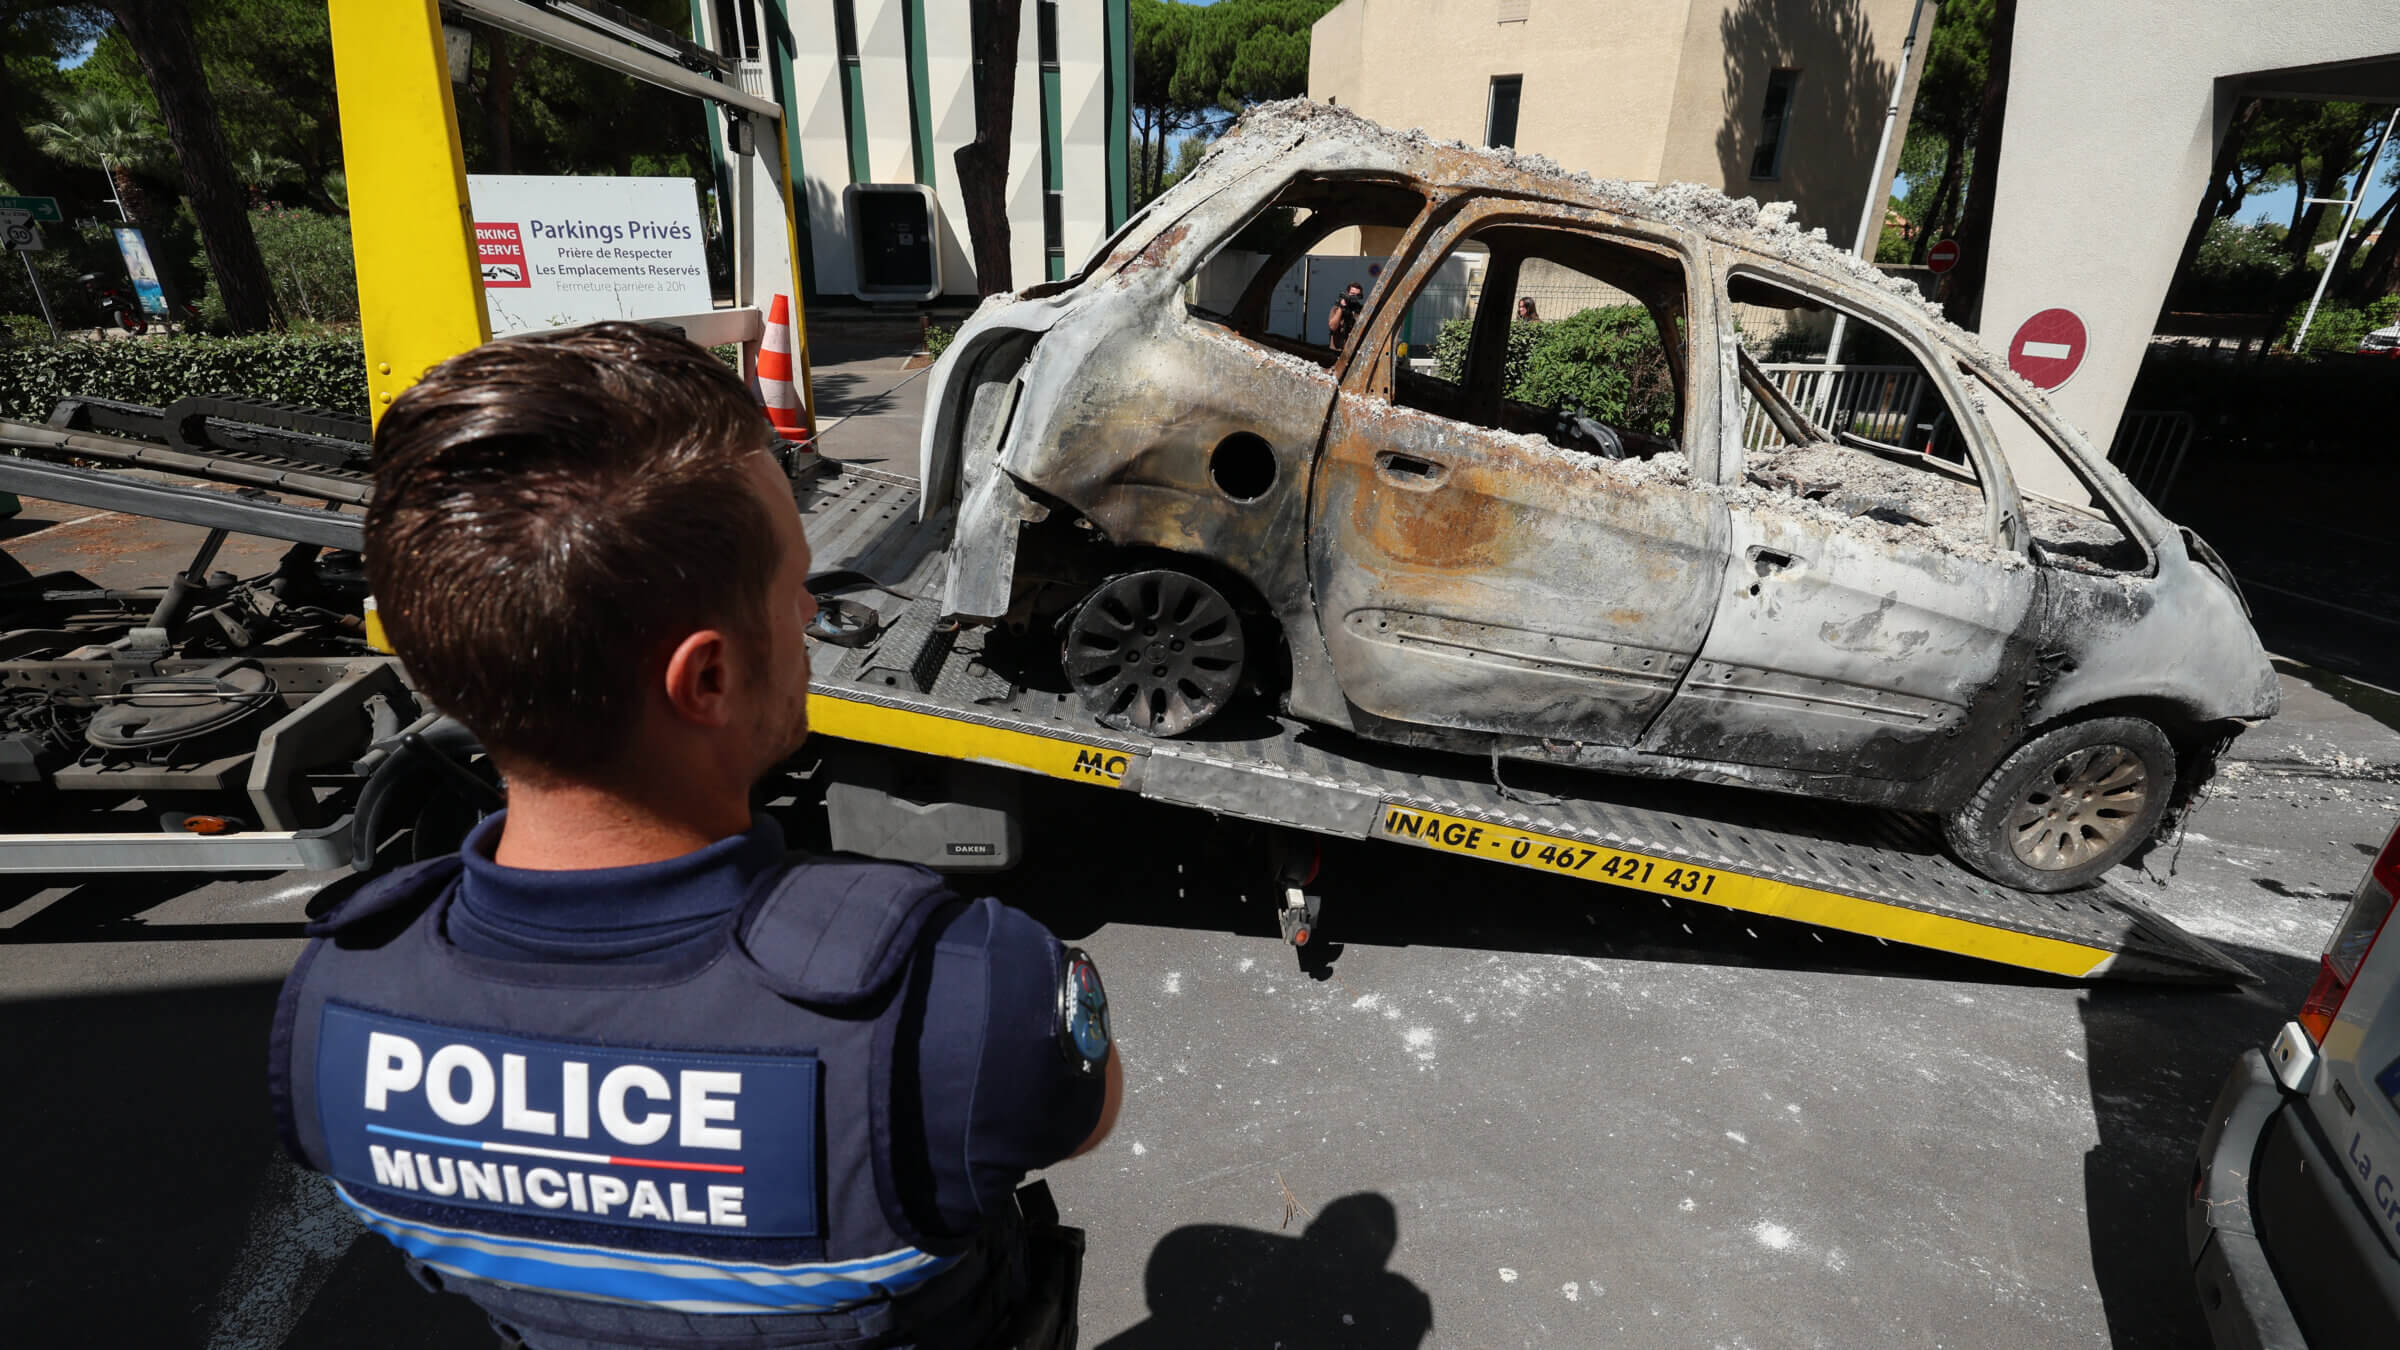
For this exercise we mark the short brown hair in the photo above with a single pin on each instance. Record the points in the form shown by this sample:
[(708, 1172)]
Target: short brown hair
[(550, 509)]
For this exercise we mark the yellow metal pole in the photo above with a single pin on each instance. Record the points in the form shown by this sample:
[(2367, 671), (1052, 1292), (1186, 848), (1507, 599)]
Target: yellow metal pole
[(412, 233)]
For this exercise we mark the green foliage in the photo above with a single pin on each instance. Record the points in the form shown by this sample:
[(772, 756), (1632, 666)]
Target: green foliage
[(1894, 244), (269, 65), (328, 372), (938, 338), (2238, 269), (2339, 327), (90, 123), (1450, 351), (1958, 62), (1196, 65), (1606, 361), (308, 262), (22, 330), (65, 257)]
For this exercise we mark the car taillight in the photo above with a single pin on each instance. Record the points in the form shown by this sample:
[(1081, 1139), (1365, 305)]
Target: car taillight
[(2360, 926)]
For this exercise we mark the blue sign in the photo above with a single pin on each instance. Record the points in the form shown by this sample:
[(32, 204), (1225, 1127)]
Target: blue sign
[(136, 253)]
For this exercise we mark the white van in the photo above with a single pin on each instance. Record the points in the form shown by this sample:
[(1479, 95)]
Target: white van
[(2294, 1216)]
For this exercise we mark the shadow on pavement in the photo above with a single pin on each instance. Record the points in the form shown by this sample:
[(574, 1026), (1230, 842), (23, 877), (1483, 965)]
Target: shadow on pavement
[(110, 907), (1215, 1285), (149, 1203), (2156, 1059)]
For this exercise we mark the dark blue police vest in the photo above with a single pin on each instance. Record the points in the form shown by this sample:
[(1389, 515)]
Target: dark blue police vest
[(692, 1152)]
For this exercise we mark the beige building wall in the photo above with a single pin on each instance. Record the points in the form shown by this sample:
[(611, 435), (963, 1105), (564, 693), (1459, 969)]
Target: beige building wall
[(1650, 90)]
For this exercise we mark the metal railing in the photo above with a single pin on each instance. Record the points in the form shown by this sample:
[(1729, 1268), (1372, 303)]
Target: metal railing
[(1877, 402), (2149, 449)]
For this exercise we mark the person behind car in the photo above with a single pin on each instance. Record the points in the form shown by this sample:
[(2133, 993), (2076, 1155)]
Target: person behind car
[(1344, 316), (622, 1070)]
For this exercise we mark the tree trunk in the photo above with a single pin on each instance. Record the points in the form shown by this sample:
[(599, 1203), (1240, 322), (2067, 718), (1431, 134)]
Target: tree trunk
[(498, 99), (983, 162), (2379, 275), (1965, 304), (2372, 277), (1954, 158), (2219, 201), (160, 33)]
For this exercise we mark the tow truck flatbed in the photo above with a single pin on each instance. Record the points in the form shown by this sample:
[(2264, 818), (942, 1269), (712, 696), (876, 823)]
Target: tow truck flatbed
[(921, 687)]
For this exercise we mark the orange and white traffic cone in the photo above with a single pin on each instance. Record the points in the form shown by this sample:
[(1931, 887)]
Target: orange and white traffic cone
[(776, 390)]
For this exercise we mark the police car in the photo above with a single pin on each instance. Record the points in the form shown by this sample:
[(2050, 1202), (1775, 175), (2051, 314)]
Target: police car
[(2293, 1222)]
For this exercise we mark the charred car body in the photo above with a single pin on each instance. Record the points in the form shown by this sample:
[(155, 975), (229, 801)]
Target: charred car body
[(1689, 564)]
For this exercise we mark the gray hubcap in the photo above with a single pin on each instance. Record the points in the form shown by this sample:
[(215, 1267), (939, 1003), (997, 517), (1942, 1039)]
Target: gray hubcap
[(2082, 808), (1158, 652)]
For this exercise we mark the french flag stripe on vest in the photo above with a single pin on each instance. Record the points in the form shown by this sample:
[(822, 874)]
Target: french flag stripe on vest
[(679, 1283)]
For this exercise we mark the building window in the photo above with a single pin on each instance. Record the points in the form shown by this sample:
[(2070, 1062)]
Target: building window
[(845, 31), (1500, 116), (1773, 119), (1046, 32)]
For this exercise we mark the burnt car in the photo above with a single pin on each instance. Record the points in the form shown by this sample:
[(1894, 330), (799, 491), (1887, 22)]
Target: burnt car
[(1740, 511)]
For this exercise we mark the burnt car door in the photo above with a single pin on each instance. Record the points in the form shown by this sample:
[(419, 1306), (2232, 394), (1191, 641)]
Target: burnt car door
[(1492, 555), (1870, 624)]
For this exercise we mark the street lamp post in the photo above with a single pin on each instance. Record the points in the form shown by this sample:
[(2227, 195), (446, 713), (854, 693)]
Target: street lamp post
[(1879, 196)]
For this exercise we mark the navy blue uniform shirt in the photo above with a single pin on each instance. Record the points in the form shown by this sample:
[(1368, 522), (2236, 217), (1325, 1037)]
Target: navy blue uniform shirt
[(985, 1098)]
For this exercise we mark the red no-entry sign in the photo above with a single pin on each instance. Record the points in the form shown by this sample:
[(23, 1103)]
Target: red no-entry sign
[(1942, 256), (2048, 348)]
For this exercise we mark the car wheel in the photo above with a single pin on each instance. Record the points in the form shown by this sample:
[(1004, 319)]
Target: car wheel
[(2067, 805), (1158, 652)]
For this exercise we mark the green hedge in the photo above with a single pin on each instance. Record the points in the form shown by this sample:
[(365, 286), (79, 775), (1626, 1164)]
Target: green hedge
[(2339, 327), (1606, 361), (323, 372)]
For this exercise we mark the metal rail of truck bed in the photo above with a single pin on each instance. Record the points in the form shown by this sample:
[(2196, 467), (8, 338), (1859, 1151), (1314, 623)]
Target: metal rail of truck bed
[(920, 687)]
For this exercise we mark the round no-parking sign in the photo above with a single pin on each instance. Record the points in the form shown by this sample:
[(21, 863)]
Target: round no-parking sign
[(2048, 348)]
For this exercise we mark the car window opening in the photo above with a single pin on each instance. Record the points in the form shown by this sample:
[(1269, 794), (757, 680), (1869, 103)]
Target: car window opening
[(1871, 437), (1277, 279), (1568, 340), (2072, 522)]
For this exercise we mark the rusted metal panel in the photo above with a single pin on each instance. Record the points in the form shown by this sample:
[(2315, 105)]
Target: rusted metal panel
[(1487, 582)]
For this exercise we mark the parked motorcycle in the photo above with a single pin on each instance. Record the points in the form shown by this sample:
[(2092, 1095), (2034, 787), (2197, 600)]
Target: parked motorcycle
[(113, 306)]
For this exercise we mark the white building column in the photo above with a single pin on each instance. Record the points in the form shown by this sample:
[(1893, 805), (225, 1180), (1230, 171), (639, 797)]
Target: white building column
[(1083, 124), (2114, 111)]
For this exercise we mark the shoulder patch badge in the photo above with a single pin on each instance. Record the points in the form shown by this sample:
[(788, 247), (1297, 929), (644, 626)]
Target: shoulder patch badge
[(1082, 1014)]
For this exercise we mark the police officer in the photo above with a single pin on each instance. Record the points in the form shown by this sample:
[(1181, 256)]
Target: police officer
[(623, 1071)]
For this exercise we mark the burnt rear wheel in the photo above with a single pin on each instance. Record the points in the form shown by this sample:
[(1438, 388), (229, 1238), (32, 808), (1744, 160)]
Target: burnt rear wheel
[(1158, 652), (2068, 805)]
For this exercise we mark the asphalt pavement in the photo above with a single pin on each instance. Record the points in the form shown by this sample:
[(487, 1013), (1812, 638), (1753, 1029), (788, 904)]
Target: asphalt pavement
[(1495, 1108)]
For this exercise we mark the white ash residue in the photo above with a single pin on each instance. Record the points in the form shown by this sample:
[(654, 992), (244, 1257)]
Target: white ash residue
[(1902, 504), (1855, 492), (1669, 466), (1858, 485), (1265, 357)]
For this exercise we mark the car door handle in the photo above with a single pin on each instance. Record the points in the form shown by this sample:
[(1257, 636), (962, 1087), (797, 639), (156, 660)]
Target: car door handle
[(1766, 562), (1409, 471)]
